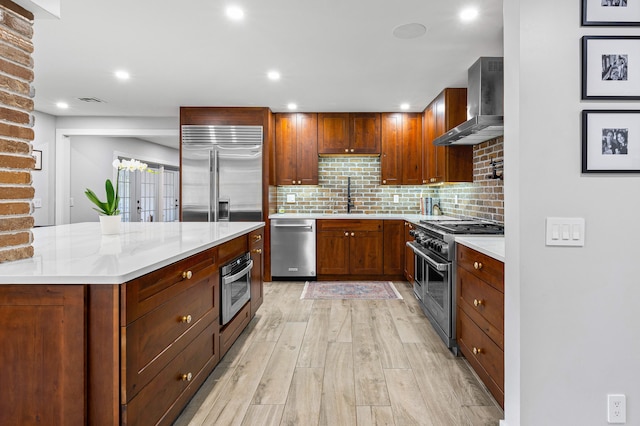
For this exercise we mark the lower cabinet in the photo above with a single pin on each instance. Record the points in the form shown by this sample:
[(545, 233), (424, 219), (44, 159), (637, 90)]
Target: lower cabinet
[(256, 246), (349, 247), (393, 247), (409, 260), (480, 316)]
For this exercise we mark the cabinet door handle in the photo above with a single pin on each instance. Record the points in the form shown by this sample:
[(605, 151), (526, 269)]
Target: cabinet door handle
[(187, 275), (186, 319), (257, 238), (257, 251), (352, 234), (384, 181), (346, 150), (299, 182), (477, 302), (293, 182), (477, 265), (186, 377), (477, 351), (352, 149), (346, 234)]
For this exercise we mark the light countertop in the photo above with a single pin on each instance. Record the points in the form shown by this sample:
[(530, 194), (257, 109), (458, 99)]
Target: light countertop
[(415, 218), (80, 254), (492, 246)]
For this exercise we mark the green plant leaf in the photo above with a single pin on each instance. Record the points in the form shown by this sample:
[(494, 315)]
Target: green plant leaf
[(103, 207), (112, 196)]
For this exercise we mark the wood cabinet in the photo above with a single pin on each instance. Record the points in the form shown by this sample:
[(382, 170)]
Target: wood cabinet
[(480, 316), (170, 332), (409, 260), (42, 362), (256, 247), (446, 163), (349, 247), (349, 133), (401, 149), (296, 139), (394, 253)]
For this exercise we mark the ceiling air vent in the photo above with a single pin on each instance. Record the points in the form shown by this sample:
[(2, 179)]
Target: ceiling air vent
[(92, 100)]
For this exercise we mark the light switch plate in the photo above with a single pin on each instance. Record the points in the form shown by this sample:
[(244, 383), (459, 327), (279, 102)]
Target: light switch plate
[(37, 203), (565, 231)]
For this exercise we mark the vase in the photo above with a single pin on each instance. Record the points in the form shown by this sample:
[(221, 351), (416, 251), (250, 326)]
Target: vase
[(110, 224)]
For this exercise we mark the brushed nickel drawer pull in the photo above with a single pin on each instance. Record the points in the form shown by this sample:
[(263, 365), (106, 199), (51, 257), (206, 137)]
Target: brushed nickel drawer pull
[(186, 377), (477, 351), (477, 302), (186, 318), (477, 265)]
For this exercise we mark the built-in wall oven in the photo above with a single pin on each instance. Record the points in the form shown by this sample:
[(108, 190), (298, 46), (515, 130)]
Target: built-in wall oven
[(235, 286), (434, 275)]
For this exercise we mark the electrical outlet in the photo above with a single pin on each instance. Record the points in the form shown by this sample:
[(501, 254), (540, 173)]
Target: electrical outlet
[(396, 198), (616, 409), (291, 198)]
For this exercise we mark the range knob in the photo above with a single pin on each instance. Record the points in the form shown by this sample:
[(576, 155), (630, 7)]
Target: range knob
[(444, 248)]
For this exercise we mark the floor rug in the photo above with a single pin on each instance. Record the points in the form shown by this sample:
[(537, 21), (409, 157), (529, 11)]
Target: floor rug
[(358, 290)]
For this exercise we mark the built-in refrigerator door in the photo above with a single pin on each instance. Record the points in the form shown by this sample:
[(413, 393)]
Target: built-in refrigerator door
[(240, 182), (197, 184)]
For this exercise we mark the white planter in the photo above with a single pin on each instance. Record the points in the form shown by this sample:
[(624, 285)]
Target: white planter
[(110, 224)]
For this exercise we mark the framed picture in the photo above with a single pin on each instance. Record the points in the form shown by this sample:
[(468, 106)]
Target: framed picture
[(38, 156), (611, 67), (601, 13), (611, 141)]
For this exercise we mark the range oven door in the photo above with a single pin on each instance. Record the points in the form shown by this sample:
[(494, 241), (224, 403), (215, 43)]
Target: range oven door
[(433, 279), (235, 283)]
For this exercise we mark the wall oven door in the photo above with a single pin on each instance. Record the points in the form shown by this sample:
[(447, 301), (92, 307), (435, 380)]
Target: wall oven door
[(235, 283), (433, 279)]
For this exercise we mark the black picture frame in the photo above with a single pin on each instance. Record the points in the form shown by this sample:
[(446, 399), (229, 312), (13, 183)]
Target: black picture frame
[(611, 141), (617, 52), (595, 14), (38, 157)]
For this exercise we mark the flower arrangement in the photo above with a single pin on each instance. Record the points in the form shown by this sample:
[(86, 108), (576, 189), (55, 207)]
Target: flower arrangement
[(110, 207)]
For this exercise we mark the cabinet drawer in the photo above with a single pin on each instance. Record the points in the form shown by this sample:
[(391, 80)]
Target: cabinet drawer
[(232, 249), (233, 328), (486, 357), (160, 334), (155, 402), (350, 225), (482, 266), (483, 303), (146, 293)]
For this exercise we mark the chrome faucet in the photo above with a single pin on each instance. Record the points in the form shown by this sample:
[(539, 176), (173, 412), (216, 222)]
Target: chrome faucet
[(349, 202)]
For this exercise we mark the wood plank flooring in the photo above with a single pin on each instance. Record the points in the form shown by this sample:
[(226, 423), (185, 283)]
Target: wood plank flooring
[(340, 362)]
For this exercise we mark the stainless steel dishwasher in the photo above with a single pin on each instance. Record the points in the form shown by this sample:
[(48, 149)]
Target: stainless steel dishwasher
[(293, 248)]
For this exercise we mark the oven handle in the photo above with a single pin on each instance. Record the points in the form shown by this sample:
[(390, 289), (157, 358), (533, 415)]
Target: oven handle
[(439, 266), (234, 277)]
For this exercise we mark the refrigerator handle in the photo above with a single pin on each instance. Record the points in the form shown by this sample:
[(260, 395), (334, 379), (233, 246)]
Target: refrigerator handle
[(215, 186)]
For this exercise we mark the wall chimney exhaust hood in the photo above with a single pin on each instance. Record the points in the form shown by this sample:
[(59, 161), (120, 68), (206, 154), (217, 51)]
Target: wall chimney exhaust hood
[(485, 105)]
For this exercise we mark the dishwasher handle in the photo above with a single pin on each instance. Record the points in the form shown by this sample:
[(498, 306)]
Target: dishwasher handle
[(295, 226)]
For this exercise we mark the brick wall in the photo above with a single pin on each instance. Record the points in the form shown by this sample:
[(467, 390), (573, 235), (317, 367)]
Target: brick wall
[(16, 133), (482, 199)]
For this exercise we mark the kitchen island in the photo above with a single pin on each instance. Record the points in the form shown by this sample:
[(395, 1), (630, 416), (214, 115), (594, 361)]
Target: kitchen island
[(115, 329)]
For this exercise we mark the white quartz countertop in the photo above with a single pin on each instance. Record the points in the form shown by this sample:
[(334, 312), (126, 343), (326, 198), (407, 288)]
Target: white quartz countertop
[(415, 218), (492, 246), (80, 254)]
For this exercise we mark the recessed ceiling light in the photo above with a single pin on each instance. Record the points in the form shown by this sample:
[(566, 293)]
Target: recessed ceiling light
[(292, 106), (235, 13), (273, 75), (122, 75), (62, 105), (408, 31), (404, 106), (468, 14)]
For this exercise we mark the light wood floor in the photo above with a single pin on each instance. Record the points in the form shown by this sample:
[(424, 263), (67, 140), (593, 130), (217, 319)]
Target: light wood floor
[(340, 362)]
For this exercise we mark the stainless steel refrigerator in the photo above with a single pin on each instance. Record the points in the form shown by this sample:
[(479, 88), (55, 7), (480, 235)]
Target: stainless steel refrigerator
[(221, 173)]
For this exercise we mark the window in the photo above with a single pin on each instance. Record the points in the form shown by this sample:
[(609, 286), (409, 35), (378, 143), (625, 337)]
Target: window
[(150, 197)]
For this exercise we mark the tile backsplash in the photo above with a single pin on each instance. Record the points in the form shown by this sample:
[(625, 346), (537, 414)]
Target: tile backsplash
[(482, 199)]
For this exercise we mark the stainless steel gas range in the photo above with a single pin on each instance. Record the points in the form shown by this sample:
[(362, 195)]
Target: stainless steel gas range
[(434, 275)]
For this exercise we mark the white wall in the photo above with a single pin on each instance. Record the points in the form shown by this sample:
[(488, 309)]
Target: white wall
[(572, 329), (91, 158), (42, 180)]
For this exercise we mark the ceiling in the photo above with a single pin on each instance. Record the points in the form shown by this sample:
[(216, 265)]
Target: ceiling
[(333, 55)]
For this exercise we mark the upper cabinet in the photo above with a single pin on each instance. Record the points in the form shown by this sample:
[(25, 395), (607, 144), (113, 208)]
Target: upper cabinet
[(296, 149), (401, 154), (349, 133), (446, 163)]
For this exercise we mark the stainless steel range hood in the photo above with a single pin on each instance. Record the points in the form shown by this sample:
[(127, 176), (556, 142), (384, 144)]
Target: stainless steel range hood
[(485, 105)]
